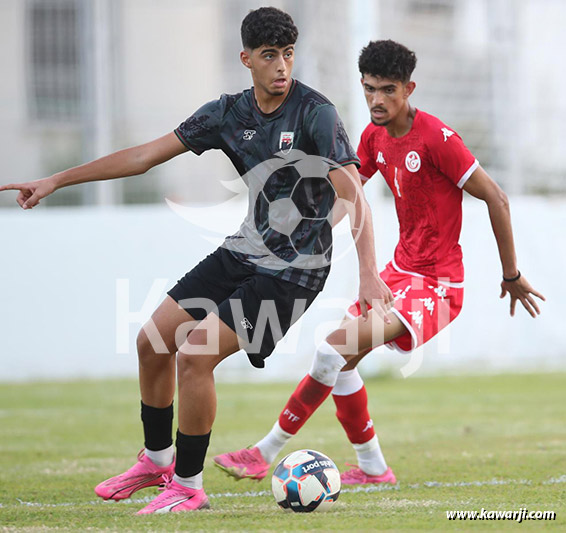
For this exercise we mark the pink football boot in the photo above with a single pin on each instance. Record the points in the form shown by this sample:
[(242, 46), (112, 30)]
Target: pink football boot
[(243, 464), (143, 474), (176, 498), (356, 476)]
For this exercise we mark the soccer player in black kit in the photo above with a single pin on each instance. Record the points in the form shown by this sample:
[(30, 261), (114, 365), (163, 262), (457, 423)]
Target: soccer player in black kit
[(277, 124)]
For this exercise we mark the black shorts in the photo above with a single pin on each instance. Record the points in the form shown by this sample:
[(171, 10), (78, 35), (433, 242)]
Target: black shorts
[(259, 308)]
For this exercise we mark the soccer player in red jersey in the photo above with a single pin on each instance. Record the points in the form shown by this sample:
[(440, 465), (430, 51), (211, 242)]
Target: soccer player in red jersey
[(426, 165)]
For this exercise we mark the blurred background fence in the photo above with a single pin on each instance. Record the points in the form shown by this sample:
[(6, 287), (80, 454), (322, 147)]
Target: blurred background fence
[(81, 78)]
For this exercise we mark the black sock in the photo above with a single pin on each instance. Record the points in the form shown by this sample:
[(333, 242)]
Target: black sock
[(157, 426), (191, 451)]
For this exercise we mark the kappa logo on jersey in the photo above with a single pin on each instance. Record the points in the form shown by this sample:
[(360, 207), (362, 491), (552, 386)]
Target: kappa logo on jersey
[(447, 133), (248, 134), (381, 159), (246, 324), (286, 141), (413, 161)]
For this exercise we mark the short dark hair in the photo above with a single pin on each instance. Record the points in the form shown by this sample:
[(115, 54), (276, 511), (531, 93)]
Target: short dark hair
[(268, 26), (387, 59)]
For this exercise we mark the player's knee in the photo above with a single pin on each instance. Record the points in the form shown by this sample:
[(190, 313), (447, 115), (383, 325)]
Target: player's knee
[(341, 337), (191, 364), (185, 363), (191, 356), (327, 364), (347, 340), (143, 345)]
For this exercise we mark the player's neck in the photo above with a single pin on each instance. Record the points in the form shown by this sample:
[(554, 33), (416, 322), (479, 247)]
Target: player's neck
[(268, 103), (402, 123)]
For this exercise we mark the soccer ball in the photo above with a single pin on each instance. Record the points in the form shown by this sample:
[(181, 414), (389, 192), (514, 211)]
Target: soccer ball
[(299, 209), (306, 481)]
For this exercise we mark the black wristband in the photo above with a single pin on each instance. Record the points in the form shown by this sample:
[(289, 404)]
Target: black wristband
[(513, 279)]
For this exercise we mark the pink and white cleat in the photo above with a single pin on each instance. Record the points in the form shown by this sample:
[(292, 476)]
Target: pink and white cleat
[(243, 464), (356, 476), (145, 473), (175, 498)]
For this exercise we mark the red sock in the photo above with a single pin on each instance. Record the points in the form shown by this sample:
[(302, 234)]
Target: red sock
[(304, 401), (352, 411)]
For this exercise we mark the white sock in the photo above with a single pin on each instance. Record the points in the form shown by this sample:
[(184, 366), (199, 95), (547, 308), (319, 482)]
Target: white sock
[(161, 457), (348, 382), (326, 364), (273, 442), (191, 482), (370, 458)]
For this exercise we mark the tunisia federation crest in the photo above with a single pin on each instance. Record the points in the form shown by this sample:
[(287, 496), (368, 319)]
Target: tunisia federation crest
[(286, 141)]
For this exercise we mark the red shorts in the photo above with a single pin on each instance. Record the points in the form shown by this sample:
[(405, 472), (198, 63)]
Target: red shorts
[(425, 305)]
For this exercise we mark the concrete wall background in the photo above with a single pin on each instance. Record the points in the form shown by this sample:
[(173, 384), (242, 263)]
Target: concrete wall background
[(59, 272)]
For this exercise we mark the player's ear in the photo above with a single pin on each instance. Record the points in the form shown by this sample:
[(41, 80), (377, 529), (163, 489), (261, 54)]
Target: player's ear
[(409, 88), (245, 58)]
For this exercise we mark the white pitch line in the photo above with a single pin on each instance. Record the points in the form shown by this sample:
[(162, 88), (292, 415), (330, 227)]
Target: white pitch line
[(261, 493)]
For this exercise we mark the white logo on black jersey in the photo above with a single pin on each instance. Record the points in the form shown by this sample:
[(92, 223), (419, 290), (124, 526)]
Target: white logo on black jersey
[(380, 158), (248, 134), (246, 324), (447, 133)]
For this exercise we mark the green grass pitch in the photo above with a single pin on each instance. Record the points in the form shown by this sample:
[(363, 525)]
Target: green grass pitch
[(455, 443)]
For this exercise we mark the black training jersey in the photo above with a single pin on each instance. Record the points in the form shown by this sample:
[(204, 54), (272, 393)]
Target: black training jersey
[(284, 157)]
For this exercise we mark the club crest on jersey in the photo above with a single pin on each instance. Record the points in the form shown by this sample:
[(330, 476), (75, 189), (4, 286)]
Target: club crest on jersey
[(413, 161), (286, 141)]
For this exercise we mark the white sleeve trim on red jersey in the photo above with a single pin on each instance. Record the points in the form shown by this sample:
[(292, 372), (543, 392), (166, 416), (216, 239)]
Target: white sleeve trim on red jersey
[(452, 285), (468, 173)]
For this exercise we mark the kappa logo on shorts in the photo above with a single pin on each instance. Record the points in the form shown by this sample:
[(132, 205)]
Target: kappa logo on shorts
[(428, 303), (246, 324), (417, 317), (440, 291)]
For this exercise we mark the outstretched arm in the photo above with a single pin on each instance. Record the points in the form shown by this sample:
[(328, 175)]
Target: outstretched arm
[(128, 162), (481, 186), (373, 290)]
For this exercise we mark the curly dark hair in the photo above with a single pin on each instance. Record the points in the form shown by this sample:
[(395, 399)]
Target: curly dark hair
[(387, 59), (268, 26)]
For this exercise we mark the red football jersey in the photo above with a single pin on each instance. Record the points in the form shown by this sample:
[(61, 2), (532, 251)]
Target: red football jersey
[(425, 170)]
